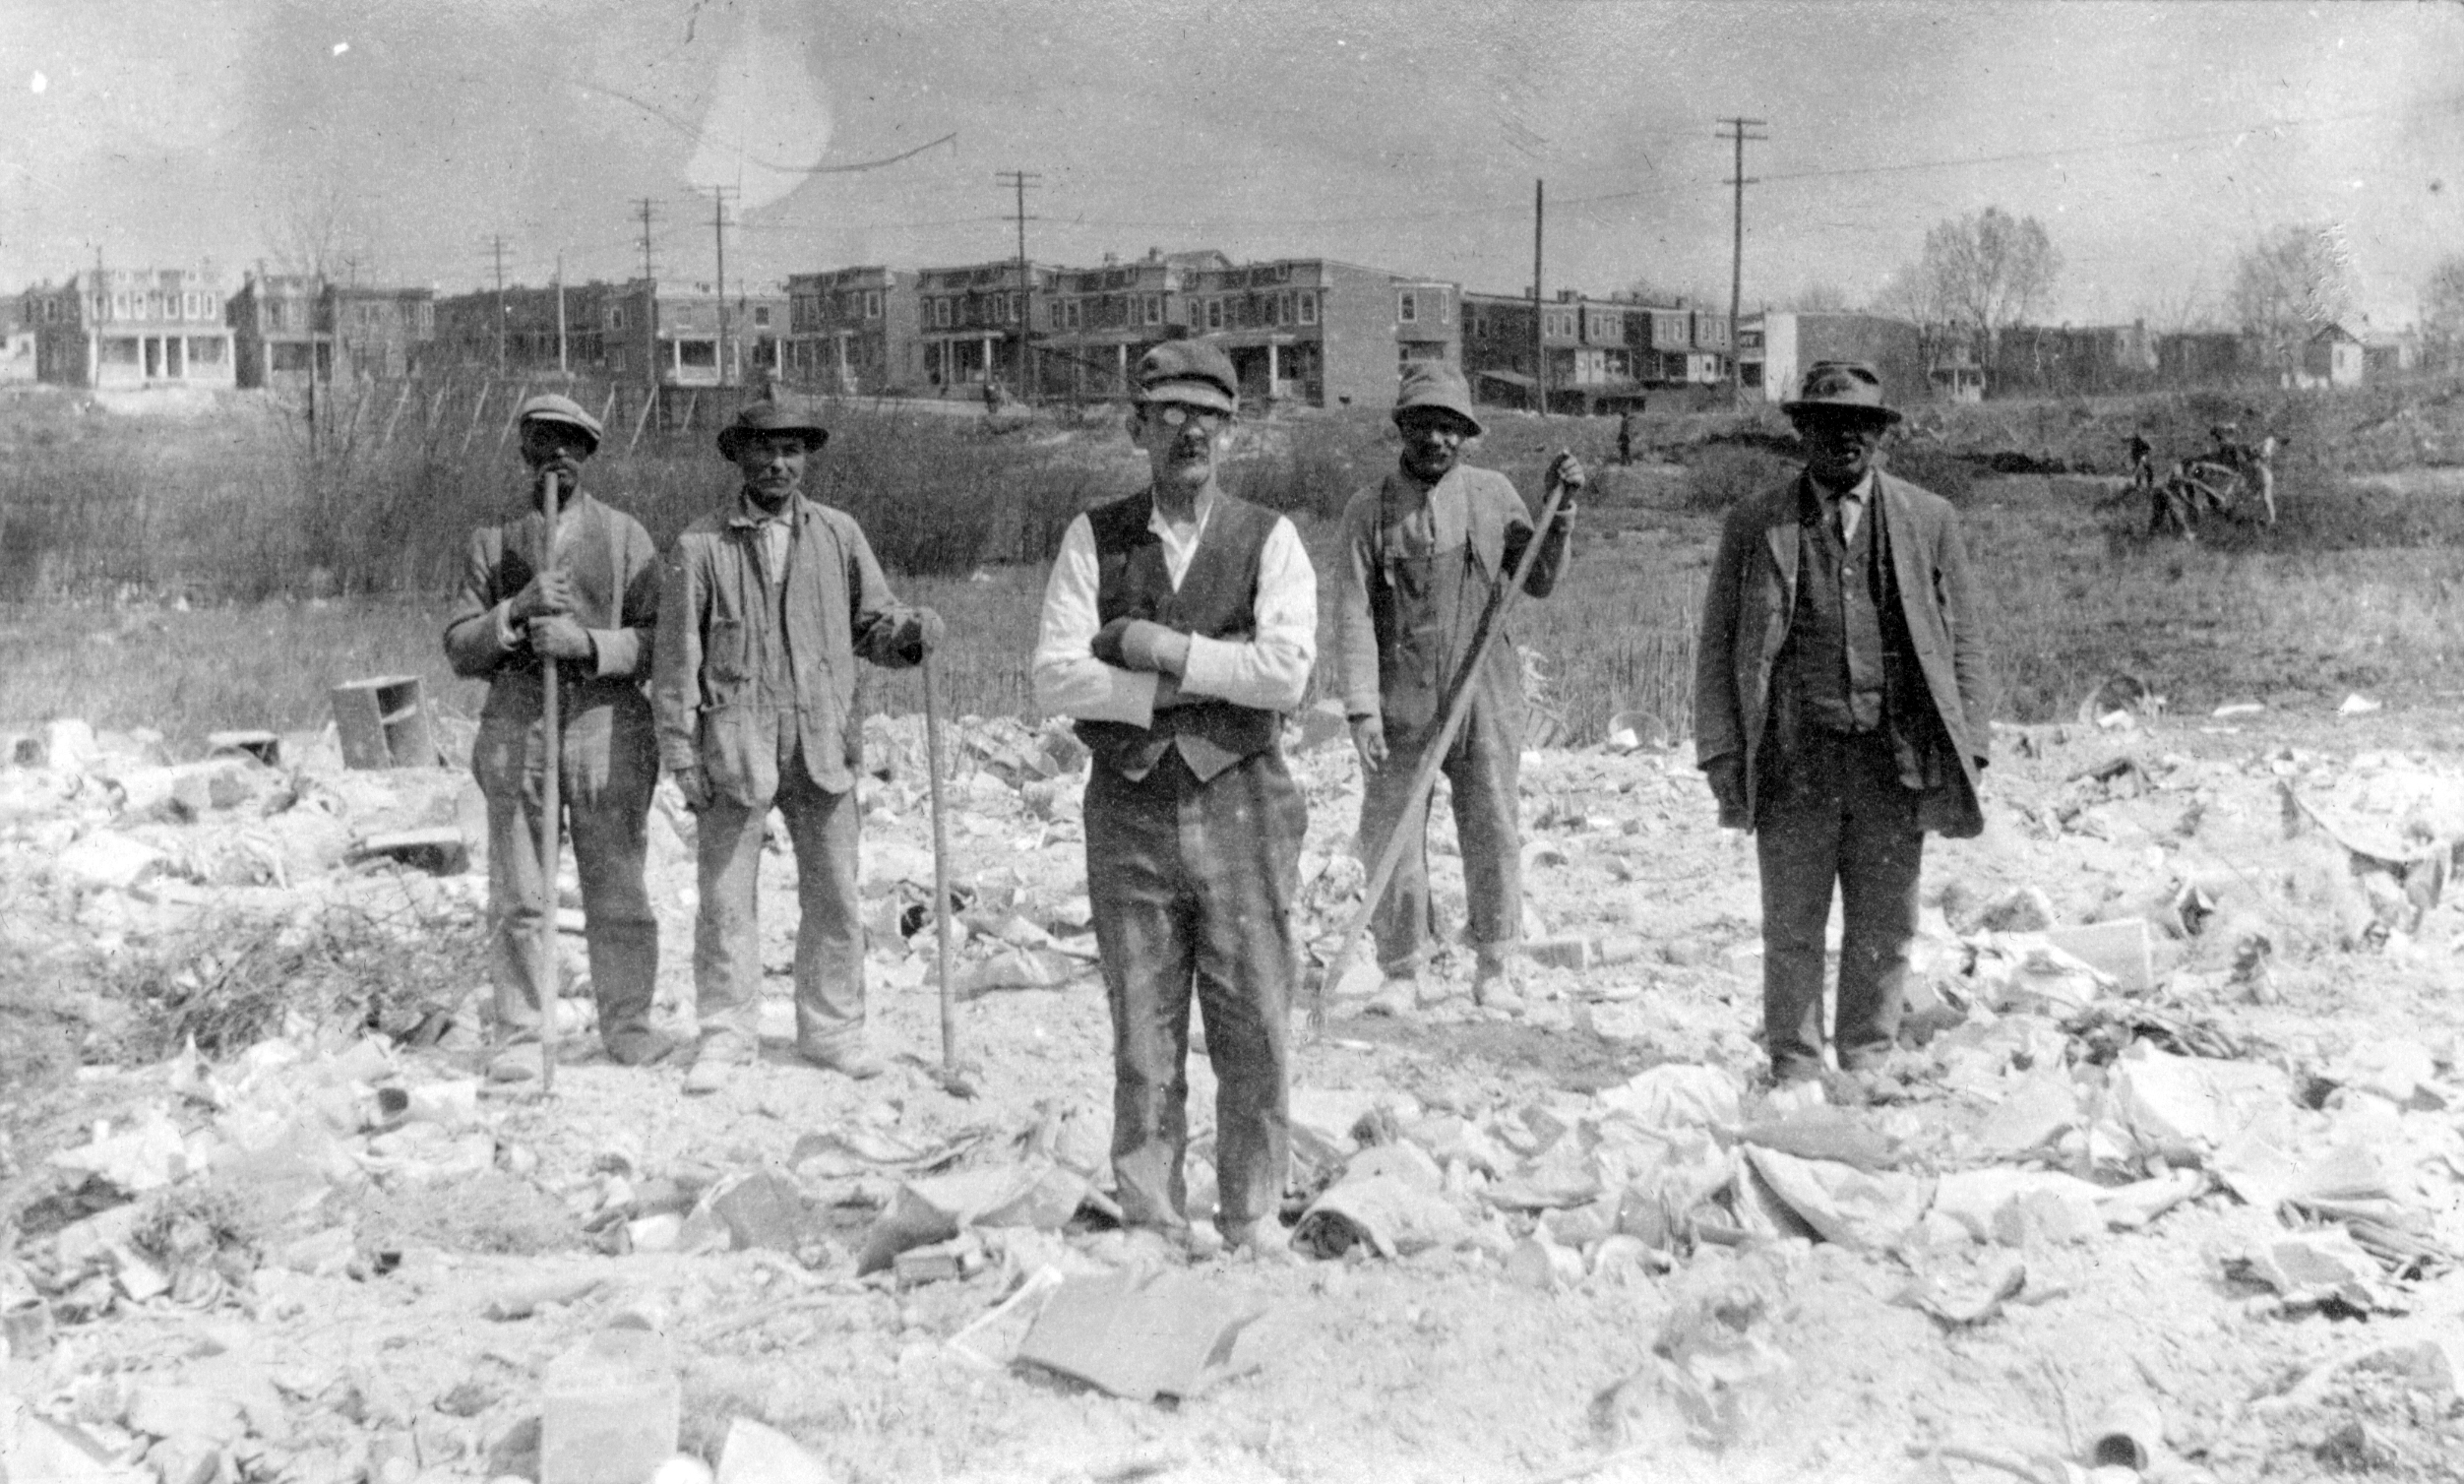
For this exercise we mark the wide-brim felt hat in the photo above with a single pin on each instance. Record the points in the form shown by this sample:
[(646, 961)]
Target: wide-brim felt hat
[(1435, 385), (1841, 388), (547, 406), (770, 417), (1192, 373)]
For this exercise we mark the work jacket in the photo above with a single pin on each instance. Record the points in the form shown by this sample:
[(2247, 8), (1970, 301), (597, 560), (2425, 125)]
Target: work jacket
[(1753, 598), (1419, 564), (600, 707), (748, 668)]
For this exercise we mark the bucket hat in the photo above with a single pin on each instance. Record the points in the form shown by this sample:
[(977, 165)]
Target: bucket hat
[(1436, 384)]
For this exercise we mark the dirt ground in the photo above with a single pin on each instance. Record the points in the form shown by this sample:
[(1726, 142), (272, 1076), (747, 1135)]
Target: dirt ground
[(1591, 1334)]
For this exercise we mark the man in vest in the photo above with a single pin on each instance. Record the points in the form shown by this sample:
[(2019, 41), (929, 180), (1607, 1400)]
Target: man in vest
[(1840, 709), (766, 605), (1425, 552), (1179, 626), (590, 608)]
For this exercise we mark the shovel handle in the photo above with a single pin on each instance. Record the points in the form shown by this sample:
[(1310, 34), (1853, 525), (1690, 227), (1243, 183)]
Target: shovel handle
[(551, 817), (941, 872)]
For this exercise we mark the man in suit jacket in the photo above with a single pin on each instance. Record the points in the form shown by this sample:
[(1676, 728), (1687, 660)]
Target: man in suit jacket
[(1840, 712), (588, 607)]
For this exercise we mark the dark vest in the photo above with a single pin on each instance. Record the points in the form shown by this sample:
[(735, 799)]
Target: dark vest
[(1847, 642), (1217, 600)]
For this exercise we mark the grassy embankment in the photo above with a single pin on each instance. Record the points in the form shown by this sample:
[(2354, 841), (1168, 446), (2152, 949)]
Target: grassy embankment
[(302, 569)]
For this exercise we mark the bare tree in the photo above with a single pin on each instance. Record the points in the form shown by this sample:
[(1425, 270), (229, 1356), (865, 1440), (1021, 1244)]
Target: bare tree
[(320, 232), (2290, 283), (1820, 297), (2442, 311), (1987, 270), (1913, 294)]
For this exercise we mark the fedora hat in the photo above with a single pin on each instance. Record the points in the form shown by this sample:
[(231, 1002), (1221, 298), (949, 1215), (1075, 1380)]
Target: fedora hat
[(1832, 388), (764, 417)]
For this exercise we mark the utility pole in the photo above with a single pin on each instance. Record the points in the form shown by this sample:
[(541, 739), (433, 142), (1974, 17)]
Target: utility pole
[(496, 245), (1019, 181), (563, 368), (719, 225), (1539, 306), (1737, 128), (650, 302)]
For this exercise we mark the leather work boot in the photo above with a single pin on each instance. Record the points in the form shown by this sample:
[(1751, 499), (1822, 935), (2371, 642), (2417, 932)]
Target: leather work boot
[(1493, 985), (717, 1062), (1397, 996), (854, 1061), (637, 1045)]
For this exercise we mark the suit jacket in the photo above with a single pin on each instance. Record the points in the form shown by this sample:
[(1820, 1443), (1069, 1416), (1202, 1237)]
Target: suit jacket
[(1752, 596), (601, 708)]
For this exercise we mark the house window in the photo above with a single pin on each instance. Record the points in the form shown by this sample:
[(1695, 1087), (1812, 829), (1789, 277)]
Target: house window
[(1154, 309), (1309, 309), (941, 314), (760, 316), (873, 304), (616, 317), (205, 349), (698, 354), (1408, 306), (1214, 314)]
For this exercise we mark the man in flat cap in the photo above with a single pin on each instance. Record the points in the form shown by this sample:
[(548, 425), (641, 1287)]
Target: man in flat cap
[(1841, 712), (766, 605), (590, 608), (1426, 551), (1179, 626)]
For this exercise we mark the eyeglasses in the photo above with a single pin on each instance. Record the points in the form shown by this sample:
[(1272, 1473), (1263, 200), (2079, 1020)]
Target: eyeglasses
[(1176, 415)]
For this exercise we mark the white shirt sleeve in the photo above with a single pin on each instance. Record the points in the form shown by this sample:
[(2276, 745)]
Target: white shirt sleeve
[(1270, 669), (1068, 678)]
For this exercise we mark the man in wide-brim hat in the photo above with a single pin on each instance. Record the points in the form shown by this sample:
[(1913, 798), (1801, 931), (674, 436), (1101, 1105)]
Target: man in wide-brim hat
[(590, 608), (1840, 712), (1425, 552), (766, 603)]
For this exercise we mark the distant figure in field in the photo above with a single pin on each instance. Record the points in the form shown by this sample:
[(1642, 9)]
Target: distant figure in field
[(2262, 462), (1629, 430)]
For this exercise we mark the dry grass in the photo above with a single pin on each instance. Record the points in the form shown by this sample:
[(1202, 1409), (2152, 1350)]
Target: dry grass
[(2348, 592)]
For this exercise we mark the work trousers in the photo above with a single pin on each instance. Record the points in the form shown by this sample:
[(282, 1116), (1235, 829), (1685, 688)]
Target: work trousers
[(1482, 769), (1834, 811), (610, 839), (1193, 886), (823, 827)]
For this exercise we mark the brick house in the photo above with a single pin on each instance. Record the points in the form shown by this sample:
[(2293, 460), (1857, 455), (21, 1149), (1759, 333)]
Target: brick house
[(853, 330), (113, 328)]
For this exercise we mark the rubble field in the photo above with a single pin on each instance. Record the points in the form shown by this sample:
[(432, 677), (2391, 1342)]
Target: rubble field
[(2165, 1182)]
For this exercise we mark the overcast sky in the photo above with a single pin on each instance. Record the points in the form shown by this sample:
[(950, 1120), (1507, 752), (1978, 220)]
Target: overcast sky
[(2152, 139)]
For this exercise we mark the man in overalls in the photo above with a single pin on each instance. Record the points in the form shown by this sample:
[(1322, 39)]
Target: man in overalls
[(765, 608), (590, 606), (1425, 552)]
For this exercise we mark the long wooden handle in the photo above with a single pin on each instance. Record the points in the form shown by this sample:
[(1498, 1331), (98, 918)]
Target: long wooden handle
[(551, 817), (941, 872), (1432, 756)]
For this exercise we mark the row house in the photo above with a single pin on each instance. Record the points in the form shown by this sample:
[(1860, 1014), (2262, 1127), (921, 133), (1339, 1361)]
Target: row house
[(1320, 332), (1095, 323), (972, 322), (287, 326), (671, 336), (853, 332), (1776, 346), (2044, 360), (1677, 346), (1590, 344), (131, 328)]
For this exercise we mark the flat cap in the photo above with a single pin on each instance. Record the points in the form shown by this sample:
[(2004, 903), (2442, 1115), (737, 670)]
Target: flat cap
[(547, 406), (1438, 385), (761, 417), (1193, 373), (1832, 387)]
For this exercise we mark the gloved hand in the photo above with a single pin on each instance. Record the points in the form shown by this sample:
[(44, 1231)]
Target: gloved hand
[(1728, 783), (694, 786), (1369, 740), (560, 638), (547, 592), (1152, 647), (918, 633)]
